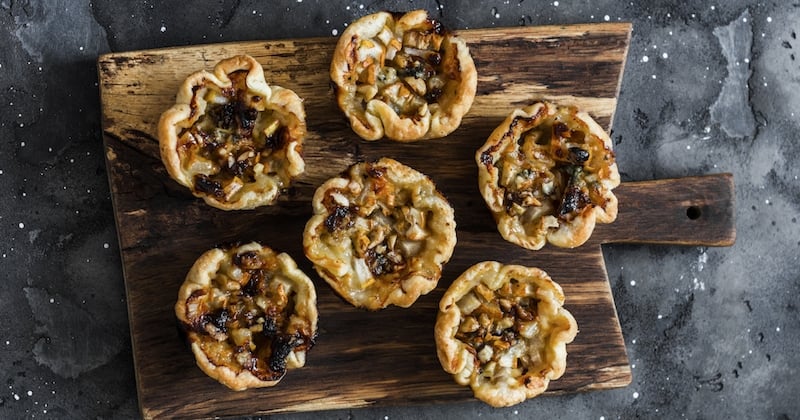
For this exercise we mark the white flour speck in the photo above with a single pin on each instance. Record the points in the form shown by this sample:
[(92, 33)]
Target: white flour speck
[(653, 76), (702, 259), (769, 18), (16, 397), (688, 147), (645, 59), (335, 32), (713, 7), (52, 300), (633, 282), (660, 316), (665, 55), (22, 144), (30, 393), (606, 18), (163, 28), (555, 3), (777, 329), (635, 395), (21, 225), (105, 245)]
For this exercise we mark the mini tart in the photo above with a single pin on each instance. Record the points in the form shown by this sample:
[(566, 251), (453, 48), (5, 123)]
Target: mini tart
[(502, 330), (231, 138), (547, 174), (249, 315), (402, 76), (380, 234)]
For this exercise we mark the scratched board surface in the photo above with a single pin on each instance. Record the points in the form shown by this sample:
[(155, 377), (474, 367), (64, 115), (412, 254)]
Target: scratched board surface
[(360, 358)]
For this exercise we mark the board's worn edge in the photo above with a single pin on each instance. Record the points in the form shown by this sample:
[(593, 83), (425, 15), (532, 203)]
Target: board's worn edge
[(626, 367), (109, 168), (538, 32), (532, 32), (621, 74)]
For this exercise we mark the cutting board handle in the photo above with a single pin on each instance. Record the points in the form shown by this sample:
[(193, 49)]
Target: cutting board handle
[(684, 211)]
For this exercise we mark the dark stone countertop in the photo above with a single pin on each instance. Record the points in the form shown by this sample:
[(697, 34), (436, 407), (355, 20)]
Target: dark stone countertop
[(708, 87)]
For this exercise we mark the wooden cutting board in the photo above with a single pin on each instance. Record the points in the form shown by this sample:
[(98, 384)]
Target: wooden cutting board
[(386, 357)]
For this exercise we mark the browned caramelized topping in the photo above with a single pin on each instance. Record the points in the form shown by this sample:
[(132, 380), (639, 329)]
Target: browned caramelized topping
[(555, 163), (497, 318), (340, 218), (409, 73), (382, 260), (204, 184), (250, 320), (233, 136)]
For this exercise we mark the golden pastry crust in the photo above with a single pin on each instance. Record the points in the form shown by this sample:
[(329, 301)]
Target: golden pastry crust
[(402, 76), (547, 174), (502, 330), (249, 315), (380, 234), (231, 138)]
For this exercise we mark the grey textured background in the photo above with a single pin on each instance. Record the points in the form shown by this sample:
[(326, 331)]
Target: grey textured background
[(708, 87)]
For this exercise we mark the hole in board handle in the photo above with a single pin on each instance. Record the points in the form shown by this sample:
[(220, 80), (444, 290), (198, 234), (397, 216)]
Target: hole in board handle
[(693, 212)]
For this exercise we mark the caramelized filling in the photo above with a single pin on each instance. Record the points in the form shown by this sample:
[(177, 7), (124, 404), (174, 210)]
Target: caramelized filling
[(244, 318), (555, 166), (386, 230), (406, 73), (495, 321), (234, 138)]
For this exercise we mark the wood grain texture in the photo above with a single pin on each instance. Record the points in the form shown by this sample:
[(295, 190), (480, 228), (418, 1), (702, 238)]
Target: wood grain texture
[(362, 358), (685, 211)]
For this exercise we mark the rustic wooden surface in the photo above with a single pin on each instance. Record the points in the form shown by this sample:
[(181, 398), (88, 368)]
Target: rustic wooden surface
[(386, 357)]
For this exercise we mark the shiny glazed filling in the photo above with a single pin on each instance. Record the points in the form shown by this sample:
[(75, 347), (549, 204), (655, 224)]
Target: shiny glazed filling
[(385, 233), (554, 168), (407, 73), (496, 324), (243, 319), (235, 139)]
